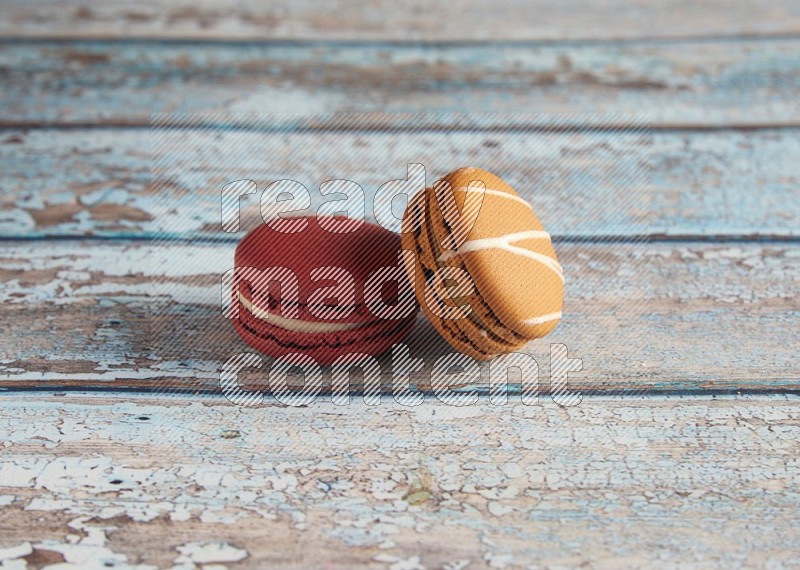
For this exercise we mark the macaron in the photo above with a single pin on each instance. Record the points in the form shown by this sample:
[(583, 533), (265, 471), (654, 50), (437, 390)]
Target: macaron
[(331, 295), (484, 269)]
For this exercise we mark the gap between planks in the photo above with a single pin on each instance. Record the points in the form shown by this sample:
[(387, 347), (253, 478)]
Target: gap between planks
[(162, 239), (78, 389), (189, 41), (733, 127)]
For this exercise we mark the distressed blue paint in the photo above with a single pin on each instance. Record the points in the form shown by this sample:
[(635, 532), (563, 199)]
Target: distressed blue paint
[(87, 309), (682, 82), (726, 184)]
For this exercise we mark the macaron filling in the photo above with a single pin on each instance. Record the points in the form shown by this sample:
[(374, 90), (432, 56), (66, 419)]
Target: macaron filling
[(297, 325)]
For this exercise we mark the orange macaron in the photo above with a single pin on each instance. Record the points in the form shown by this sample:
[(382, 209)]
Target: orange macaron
[(484, 269)]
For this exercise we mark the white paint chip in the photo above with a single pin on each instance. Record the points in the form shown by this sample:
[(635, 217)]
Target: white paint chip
[(499, 509), (18, 551), (205, 552)]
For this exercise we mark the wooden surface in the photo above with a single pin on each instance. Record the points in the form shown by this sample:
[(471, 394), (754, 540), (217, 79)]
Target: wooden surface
[(727, 184), (615, 482), (679, 84), (384, 20), (671, 314), (117, 445)]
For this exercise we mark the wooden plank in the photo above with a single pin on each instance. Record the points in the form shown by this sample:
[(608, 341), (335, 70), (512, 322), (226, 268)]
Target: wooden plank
[(614, 482), (96, 181), (665, 317), (682, 83), (384, 20)]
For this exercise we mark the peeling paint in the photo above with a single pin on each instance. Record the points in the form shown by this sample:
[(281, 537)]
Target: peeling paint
[(617, 469), (682, 323), (205, 552)]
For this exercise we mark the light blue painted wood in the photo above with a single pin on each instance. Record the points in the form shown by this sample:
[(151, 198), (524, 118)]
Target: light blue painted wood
[(668, 317), (387, 21), (710, 83), (639, 481), (704, 184)]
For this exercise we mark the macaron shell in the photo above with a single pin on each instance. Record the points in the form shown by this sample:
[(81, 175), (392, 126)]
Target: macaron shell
[(506, 338), (325, 348), (470, 335), (519, 292), (416, 267), (360, 253), (521, 289)]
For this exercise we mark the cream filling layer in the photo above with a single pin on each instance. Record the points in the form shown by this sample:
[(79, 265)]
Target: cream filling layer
[(296, 325), (543, 319)]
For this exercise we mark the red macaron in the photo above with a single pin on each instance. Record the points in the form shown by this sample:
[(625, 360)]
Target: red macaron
[(327, 287)]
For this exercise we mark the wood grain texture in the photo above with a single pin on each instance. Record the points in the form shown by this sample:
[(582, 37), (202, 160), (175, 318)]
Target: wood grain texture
[(132, 481), (731, 82), (98, 182), (615, 482), (385, 20), (665, 317)]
